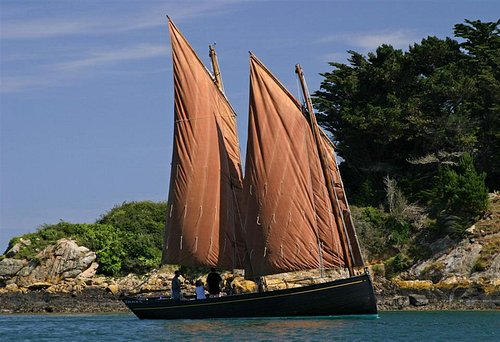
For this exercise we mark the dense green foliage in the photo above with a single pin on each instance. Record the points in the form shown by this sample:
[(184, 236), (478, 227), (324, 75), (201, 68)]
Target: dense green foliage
[(141, 227), (126, 239), (405, 113), (429, 118), (460, 192)]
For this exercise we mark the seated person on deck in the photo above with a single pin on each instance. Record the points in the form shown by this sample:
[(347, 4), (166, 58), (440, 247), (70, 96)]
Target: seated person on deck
[(200, 290)]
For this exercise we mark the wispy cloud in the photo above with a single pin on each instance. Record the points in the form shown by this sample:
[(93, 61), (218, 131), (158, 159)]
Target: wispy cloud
[(99, 58), (69, 61), (15, 26), (21, 83), (54, 74), (369, 41)]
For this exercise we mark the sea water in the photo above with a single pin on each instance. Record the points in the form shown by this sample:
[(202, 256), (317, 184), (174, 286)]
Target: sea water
[(388, 326)]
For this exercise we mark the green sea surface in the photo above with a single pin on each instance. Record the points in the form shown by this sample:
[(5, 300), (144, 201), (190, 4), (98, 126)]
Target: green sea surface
[(389, 326)]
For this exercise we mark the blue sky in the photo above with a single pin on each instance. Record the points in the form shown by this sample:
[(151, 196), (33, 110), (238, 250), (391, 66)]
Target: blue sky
[(86, 95)]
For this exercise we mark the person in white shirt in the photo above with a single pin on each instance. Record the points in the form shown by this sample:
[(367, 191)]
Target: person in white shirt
[(200, 290)]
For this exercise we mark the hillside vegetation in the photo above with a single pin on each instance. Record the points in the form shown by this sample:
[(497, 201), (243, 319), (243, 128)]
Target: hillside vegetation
[(418, 132), (126, 239)]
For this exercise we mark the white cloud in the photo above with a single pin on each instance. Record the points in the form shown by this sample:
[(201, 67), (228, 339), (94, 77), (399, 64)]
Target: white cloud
[(18, 26), (21, 83), (59, 73), (67, 61), (98, 58), (18, 29)]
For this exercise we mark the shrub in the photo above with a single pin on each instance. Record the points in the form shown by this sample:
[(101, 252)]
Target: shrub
[(487, 254), (141, 227), (460, 196), (397, 264), (370, 229)]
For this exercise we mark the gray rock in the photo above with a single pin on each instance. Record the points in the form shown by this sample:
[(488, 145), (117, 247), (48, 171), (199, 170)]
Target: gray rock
[(441, 245), (400, 302), (459, 261), (18, 247), (65, 259), (418, 300), (9, 267)]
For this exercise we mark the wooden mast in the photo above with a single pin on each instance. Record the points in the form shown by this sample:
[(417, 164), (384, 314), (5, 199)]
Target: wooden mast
[(346, 245), (218, 83), (215, 66)]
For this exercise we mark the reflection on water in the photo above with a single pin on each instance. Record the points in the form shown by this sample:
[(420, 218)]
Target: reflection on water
[(391, 326), (260, 329)]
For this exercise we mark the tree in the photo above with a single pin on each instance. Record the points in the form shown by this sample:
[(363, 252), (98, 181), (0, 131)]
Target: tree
[(482, 60), (405, 113)]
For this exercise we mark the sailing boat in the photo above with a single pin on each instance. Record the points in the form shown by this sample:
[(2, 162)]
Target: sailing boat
[(288, 214)]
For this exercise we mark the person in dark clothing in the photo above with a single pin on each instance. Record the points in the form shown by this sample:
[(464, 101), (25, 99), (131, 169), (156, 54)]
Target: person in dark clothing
[(176, 286), (214, 281)]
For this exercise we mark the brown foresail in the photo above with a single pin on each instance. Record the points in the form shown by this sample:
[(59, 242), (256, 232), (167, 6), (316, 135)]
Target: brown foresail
[(344, 211), (289, 224), (202, 226)]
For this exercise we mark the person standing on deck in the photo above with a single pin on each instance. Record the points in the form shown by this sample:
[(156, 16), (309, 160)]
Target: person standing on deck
[(214, 281), (176, 285)]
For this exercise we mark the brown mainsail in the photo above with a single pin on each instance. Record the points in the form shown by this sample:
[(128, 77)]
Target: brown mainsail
[(202, 226), (289, 220)]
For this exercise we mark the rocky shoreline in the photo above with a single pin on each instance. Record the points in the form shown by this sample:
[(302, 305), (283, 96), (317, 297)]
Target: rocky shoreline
[(38, 302), (390, 297), (63, 279)]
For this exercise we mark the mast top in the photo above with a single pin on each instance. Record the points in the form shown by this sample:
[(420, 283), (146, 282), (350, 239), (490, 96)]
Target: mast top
[(215, 66)]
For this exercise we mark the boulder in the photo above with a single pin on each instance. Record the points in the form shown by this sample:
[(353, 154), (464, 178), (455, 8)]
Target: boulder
[(243, 286), (113, 288), (89, 272), (18, 247), (63, 260), (129, 284), (398, 302), (9, 267), (418, 300), (12, 288), (459, 261)]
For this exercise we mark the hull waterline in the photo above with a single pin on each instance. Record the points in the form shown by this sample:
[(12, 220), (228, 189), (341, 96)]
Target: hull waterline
[(351, 296)]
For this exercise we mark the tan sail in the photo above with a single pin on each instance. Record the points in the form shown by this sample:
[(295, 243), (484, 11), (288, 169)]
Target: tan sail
[(202, 225), (289, 225)]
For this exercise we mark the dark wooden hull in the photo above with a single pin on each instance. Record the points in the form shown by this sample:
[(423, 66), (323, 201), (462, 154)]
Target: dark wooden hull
[(351, 296)]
